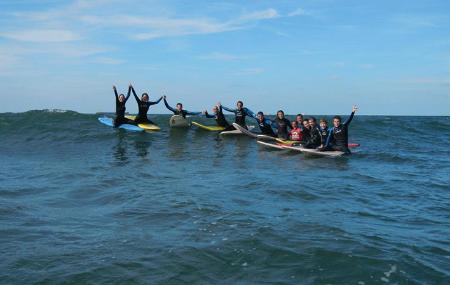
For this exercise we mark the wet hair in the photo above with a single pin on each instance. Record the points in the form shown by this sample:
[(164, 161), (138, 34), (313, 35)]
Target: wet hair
[(337, 117), (242, 103), (179, 104), (305, 120), (280, 111), (313, 119), (294, 122), (260, 113), (299, 115), (323, 120), (145, 94)]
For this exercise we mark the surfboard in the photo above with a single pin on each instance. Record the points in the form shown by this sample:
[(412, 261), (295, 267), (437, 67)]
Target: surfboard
[(110, 122), (177, 121), (288, 142), (315, 152), (147, 127), (245, 131), (235, 132), (209, 128), (266, 138), (271, 145)]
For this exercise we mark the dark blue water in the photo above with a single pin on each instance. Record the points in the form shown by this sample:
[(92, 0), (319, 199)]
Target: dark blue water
[(81, 203)]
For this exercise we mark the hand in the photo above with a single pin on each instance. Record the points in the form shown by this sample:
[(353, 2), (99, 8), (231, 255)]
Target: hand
[(130, 86), (219, 104), (164, 97), (114, 87), (354, 109)]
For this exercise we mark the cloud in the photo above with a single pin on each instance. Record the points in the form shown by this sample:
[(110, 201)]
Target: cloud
[(297, 12), (42, 36), (220, 56)]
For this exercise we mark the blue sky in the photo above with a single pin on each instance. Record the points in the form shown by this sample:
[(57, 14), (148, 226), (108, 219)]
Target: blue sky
[(315, 57)]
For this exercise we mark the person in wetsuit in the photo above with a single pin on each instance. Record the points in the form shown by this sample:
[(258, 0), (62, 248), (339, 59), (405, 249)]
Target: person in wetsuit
[(324, 131), (240, 113), (143, 105), (218, 116), (121, 100), (282, 124), (314, 139), (179, 109), (338, 137), (265, 125)]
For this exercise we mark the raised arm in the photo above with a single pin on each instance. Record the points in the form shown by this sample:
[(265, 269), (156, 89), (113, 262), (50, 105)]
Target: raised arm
[(134, 94), (249, 112), (129, 93), (209, 116), (167, 105), (155, 102), (192, 113), (229, 109), (115, 93), (354, 109)]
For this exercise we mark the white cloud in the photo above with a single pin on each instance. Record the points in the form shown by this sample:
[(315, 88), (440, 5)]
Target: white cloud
[(42, 36), (297, 12)]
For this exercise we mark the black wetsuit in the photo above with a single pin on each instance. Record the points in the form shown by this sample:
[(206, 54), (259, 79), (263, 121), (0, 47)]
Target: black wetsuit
[(323, 136), (306, 134), (120, 110), (142, 118), (315, 139), (240, 115), (282, 127), (183, 113), (219, 117), (266, 127), (338, 136)]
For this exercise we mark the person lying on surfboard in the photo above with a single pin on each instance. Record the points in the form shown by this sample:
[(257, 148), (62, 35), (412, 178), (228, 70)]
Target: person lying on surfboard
[(240, 113), (218, 116), (338, 137), (265, 125), (121, 100), (179, 109), (143, 105), (282, 124), (314, 140)]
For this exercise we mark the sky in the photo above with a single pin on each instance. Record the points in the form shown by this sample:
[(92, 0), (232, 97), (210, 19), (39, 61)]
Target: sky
[(312, 57)]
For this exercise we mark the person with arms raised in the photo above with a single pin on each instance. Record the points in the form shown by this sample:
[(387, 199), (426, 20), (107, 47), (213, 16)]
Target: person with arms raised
[(121, 100), (179, 109), (240, 113), (338, 135), (143, 106)]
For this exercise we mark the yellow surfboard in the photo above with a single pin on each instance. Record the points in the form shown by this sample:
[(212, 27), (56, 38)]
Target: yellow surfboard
[(147, 127), (209, 128), (288, 142)]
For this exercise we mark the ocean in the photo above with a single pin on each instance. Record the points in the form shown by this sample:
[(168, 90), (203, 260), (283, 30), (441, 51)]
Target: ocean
[(82, 203)]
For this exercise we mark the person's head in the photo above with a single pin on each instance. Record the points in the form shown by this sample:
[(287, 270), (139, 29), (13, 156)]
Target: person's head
[(215, 109), (179, 106), (260, 116), (144, 97), (239, 104), (337, 121), (312, 122), (323, 123), (306, 123), (299, 118), (294, 124), (121, 98), (280, 114)]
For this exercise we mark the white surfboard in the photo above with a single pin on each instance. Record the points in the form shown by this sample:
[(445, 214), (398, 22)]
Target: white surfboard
[(235, 132), (315, 152), (271, 145), (245, 131), (177, 121)]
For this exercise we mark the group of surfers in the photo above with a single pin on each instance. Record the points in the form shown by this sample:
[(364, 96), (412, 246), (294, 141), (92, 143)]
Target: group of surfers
[(303, 130)]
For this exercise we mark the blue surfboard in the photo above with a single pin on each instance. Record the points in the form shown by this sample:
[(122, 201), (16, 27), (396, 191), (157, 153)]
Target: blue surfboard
[(110, 122)]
